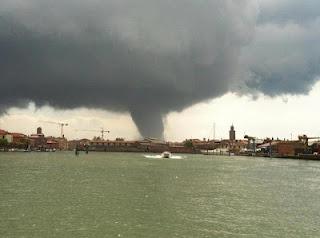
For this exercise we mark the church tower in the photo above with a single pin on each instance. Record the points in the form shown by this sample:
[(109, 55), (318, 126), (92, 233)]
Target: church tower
[(232, 134)]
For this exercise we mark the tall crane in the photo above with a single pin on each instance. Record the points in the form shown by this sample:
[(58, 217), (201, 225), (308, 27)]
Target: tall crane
[(253, 140), (305, 139), (60, 124), (102, 131)]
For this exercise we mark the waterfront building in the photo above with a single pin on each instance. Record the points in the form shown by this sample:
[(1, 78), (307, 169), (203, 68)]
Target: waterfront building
[(52, 145), (203, 144), (9, 138), (62, 143), (289, 148), (57, 143), (115, 146), (178, 147), (283, 148), (6, 135), (315, 147), (81, 144), (37, 141), (153, 145), (15, 140), (232, 146), (18, 138), (3, 133)]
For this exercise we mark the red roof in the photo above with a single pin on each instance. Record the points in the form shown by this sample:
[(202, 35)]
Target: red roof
[(3, 132), (34, 136), (17, 134), (51, 142)]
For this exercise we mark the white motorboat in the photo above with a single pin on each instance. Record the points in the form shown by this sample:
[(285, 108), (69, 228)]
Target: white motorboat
[(166, 154)]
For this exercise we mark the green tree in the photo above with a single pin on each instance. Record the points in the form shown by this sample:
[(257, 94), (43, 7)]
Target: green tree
[(188, 143), (3, 143)]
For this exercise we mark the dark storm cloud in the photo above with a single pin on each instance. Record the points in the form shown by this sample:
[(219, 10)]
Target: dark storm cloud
[(148, 57), (151, 57), (284, 56)]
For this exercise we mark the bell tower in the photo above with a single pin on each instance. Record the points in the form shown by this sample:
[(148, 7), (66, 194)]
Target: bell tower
[(232, 133)]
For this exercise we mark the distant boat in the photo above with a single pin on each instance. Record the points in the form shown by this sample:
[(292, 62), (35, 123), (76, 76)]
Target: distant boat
[(166, 154)]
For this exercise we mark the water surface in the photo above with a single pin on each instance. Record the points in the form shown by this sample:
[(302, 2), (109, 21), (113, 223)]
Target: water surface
[(128, 195)]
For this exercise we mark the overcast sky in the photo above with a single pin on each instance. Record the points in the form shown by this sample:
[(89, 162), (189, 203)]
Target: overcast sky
[(169, 69)]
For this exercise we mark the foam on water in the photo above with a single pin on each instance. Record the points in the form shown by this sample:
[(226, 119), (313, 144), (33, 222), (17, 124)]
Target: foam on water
[(160, 157)]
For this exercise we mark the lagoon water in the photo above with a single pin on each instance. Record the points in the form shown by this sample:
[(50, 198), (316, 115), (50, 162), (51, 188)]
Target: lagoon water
[(128, 195)]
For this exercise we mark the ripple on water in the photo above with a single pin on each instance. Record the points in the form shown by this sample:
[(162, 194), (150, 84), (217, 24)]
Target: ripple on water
[(112, 194)]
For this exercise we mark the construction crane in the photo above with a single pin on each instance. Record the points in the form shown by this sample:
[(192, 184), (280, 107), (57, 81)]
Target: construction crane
[(253, 140), (305, 139), (60, 124), (102, 131)]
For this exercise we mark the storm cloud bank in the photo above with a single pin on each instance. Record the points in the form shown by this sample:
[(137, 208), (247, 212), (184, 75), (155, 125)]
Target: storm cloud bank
[(284, 56), (148, 57)]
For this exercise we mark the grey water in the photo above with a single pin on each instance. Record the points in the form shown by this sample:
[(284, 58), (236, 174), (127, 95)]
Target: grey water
[(128, 195)]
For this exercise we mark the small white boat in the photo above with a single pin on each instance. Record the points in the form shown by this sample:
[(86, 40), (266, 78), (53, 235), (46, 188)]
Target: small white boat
[(166, 154)]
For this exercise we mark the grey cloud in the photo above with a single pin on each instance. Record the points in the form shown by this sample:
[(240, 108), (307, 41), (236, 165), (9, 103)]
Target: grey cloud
[(148, 57), (284, 56), (152, 57), (283, 11)]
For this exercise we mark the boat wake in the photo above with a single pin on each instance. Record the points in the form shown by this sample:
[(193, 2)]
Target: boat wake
[(161, 157)]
